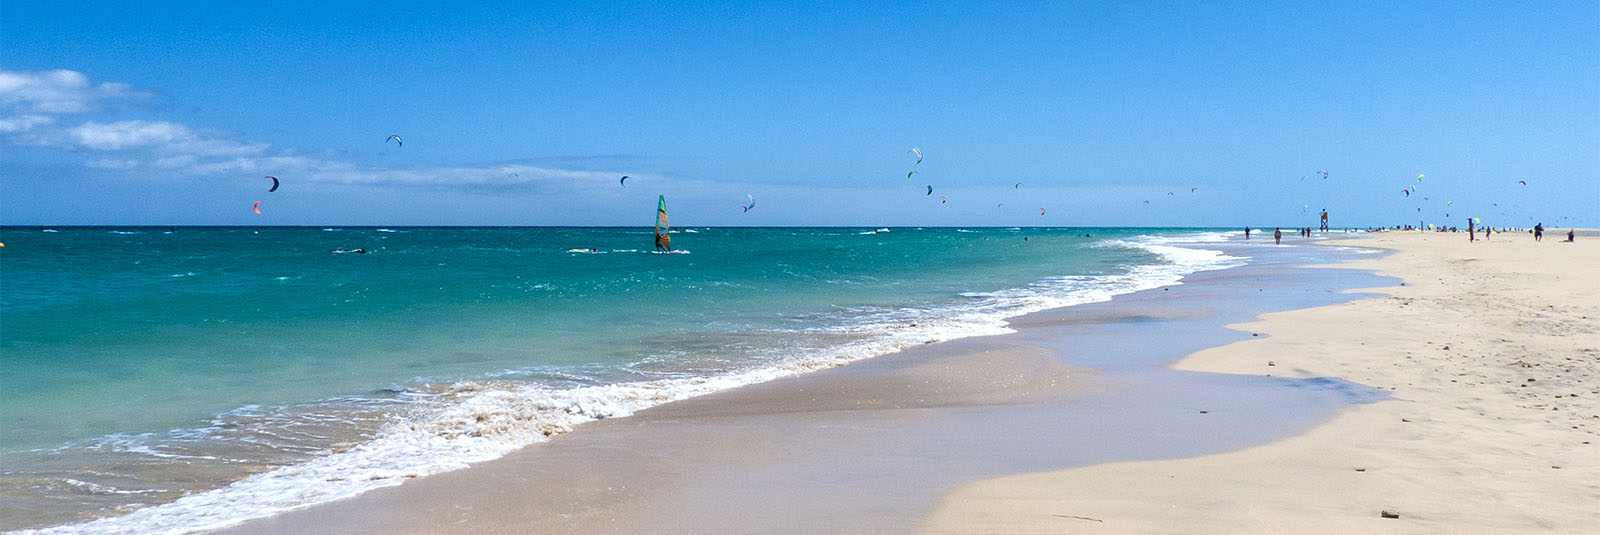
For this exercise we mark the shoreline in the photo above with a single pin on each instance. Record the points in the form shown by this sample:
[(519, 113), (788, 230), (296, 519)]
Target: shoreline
[(396, 461), (871, 446), (1492, 356)]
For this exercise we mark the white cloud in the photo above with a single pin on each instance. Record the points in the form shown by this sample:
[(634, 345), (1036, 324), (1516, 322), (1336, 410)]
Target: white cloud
[(33, 102), (58, 91), (174, 140), (509, 175), (113, 163), (311, 170), (23, 123), (171, 162), (128, 134)]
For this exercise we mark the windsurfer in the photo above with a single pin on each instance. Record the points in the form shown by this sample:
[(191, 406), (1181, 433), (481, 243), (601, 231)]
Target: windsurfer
[(663, 229)]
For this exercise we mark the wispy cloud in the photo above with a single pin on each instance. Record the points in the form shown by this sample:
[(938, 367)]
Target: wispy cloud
[(34, 104), (127, 134), (23, 123), (160, 136), (58, 92)]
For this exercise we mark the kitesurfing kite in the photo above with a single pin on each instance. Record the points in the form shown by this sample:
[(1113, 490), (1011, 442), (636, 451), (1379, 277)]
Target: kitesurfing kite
[(1406, 191), (1324, 173), (943, 199), (1192, 190), (397, 141), (930, 189), (1019, 185), (752, 203), (918, 153), (1419, 178), (1523, 182), (908, 175), (257, 207), (624, 180), (274, 184), (1041, 211), (1169, 194)]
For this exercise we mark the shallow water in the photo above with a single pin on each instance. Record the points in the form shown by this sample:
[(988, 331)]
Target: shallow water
[(146, 364)]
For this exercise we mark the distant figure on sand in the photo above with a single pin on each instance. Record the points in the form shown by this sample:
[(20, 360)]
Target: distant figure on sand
[(1277, 236), (1472, 234), (1538, 232), (1247, 233), (1324, 220), (1569, 234), (1486, 232)]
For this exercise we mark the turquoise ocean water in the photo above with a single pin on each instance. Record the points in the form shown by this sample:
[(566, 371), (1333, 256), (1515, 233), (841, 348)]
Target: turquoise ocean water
[(163, 380)]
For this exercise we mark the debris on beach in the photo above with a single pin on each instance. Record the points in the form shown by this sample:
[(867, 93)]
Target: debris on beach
[(1388, 514)]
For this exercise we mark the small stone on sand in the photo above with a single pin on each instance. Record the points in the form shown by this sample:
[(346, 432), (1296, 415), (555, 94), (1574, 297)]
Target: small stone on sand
[(1388, 514)]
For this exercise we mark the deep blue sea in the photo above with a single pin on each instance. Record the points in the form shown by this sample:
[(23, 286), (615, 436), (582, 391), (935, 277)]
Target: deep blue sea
[(197, 376)]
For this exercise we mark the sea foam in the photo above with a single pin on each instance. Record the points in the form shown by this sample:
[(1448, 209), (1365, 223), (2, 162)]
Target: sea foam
[(470, 422)]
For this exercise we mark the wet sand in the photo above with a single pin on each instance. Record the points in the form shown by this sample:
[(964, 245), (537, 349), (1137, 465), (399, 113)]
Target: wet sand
[(1491, 353), (873, 446)]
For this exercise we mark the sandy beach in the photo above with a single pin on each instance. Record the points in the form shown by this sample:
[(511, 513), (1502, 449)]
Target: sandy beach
[(874, 446), (1491, 353), (1446, 383)]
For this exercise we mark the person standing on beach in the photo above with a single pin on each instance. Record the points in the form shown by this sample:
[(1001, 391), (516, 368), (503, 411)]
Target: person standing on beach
[(1277, 236), (1486, 232), (1538, 232), (1472, 234), (1247, 233), (1324, 226)]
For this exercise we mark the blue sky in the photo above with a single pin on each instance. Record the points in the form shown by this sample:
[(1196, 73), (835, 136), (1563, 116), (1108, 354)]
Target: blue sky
[(171, 113)]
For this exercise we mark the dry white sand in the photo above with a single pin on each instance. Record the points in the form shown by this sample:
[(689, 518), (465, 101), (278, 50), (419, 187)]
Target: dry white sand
[(1492, 353)]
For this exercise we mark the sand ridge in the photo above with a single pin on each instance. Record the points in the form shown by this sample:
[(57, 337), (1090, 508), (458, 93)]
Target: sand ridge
[(1492, 353)]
